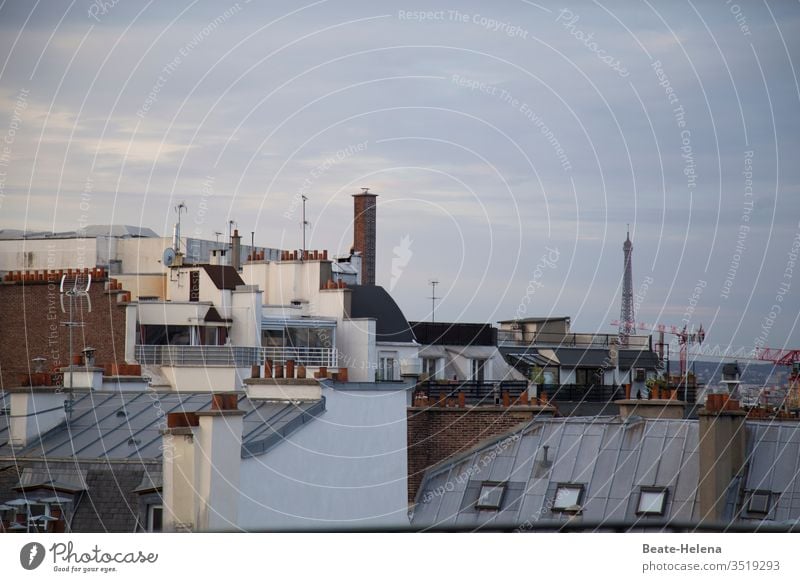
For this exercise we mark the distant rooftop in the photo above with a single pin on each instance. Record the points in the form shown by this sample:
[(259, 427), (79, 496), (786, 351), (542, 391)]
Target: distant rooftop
[(91, 231), (534, 320)]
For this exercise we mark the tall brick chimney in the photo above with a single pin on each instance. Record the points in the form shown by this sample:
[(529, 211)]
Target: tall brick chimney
[(364, 233)]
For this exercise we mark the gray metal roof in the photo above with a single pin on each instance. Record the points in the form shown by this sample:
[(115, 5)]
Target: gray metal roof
[(127, 425), (637, 359), (610, 457), (613, 459), (582, 357), (373, 301), (773, 466)]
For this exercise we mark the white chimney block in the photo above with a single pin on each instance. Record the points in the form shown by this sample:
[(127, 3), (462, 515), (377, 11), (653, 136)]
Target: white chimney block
[(218, 456), (33, 412), (178, 490)]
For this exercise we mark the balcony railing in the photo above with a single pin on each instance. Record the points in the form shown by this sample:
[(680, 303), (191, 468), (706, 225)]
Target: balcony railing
[(169, 355), (475, 393), (491, 392), (600, 392), (303, 356), (569, 340)]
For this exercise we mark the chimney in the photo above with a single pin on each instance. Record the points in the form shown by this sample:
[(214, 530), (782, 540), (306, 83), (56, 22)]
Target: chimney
[(665, 409), (218, 257), (178, 489), (202, 456), (722, 441), (236, 249), (364, 233)]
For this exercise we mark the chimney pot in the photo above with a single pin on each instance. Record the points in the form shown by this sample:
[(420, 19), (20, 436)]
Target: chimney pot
[(224, 401), (182, 420)]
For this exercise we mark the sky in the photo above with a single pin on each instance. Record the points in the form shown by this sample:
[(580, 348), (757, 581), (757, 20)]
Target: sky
[(511, 144)]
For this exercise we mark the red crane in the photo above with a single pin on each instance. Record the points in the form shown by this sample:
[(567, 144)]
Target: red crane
[(685, 338), (778, 356)]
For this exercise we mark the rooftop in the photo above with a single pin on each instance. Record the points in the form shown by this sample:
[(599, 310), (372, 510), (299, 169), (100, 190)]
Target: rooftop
[(91, 231), (609, 462), (127, 425)]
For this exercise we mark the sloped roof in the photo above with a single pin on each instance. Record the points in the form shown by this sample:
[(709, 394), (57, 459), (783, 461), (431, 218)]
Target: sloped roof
[(582, 357), (637, 359), (610, 457), (773, 453), (127, 425), (613, 458), (375, 302), (223, 276), (454, 334)]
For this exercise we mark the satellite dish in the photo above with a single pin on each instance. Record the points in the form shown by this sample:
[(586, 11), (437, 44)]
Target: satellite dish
[(168, 258)]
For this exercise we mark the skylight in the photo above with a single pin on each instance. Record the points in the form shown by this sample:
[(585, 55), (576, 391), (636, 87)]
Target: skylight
[(759, 502), (491, 496), (568, 497), (652, 501)]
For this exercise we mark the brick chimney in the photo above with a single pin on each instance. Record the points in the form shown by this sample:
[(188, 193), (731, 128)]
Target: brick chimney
[(364, 233), (202, 456), (722, 453)]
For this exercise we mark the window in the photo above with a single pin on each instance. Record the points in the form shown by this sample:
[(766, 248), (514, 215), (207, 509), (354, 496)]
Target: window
[(652, 501), (155, 514), (160, 335), (478, 367), (387, 362), (429, 366), (490, 496), (568, 497), (759, 502)]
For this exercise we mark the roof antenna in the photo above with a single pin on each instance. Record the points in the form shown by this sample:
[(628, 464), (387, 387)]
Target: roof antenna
[(73, 291), (433, 283), (304, 225), (176, 242)]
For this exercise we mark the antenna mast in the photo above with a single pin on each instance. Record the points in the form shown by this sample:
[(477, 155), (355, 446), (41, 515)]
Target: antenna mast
[(72, 293), (176, 243), (304, 225), (433, 283)]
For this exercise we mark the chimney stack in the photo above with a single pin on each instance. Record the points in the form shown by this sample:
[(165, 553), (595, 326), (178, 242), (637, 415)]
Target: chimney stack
[(364, 233), (236, 250), (722, 453), (202, 456), (33, 411)]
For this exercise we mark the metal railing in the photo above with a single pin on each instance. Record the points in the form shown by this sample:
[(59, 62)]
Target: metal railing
[(169, 355), (569, 340), (600, 392), (582, 392), (303, 356), (475, 393)]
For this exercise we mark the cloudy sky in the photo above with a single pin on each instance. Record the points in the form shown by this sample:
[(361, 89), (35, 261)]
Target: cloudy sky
[(511, 143)]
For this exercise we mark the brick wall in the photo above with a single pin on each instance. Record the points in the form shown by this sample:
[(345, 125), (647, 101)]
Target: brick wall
[(30, 326), (434, 434)]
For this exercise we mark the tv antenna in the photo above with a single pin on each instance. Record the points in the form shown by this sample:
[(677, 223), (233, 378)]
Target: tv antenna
[(177, 242), (433, 283), (304, 224), (73, 289)]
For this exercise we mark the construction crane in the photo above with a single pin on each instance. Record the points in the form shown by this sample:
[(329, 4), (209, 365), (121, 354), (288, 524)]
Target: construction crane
[(782, 357), (685, 337)]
